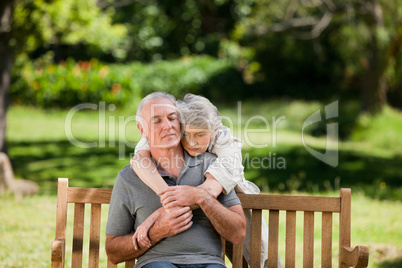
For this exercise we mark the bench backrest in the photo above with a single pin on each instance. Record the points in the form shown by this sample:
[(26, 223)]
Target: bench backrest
[(309, 205), (96, 197)]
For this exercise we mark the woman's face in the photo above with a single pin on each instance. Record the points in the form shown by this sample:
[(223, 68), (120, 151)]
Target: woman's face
[(195, 140)]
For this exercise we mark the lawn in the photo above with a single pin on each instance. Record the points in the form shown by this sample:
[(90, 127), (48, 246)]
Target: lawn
[(90, 145)]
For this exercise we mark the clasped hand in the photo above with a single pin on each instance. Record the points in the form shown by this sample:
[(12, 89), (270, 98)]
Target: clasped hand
[(166, 225), (181, 195)]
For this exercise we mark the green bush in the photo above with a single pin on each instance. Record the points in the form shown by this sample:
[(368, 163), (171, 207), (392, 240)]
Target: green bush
[(70, 83)]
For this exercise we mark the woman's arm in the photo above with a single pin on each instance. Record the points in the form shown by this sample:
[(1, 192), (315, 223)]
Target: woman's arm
[(227, 168), (228, 221), (211, 185), (140, 237), (145, 168), (179, 198), (121, 248)]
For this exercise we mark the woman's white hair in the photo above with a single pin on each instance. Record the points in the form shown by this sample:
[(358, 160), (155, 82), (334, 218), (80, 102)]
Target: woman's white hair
[(198, 112), (149, 97)]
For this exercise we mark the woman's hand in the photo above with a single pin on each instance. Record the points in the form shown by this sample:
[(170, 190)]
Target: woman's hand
[(183, 196), (140, 237)]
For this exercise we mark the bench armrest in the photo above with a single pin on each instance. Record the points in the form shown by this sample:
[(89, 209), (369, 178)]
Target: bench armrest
[(58, 246), (356, 257)]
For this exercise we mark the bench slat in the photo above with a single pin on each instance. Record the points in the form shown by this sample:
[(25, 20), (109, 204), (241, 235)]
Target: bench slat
[(111, 265), (273, 238), (288, 202), (89, 195), (326, 240), (238, 256), (223, 243), (94, 235), (344, 223), (61, 213), (129, 264), (78, 235), (308, 239), (290, 239), (256, 237)]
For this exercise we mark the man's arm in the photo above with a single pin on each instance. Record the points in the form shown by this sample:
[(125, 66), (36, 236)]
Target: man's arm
[(121, 248), (229, 222)]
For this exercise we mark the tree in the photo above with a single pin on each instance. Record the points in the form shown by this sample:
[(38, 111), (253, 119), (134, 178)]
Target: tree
[(28, 25), (6, 64), (163, 29), (366, 34)]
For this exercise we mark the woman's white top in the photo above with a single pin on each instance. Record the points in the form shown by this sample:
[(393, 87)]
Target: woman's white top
[(228, 168)]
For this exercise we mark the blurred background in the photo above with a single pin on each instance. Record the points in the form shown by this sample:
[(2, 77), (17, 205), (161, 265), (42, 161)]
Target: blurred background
[(73, 72)]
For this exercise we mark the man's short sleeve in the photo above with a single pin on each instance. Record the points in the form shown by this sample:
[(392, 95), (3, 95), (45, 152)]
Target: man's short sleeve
[(229, 199), (120, 218)]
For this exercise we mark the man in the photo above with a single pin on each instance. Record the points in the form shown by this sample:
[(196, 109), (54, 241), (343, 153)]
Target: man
[(180, 238)]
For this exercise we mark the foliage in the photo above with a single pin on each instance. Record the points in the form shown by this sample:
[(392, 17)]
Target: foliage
[(171, 29), (326, 47), (69, 83), (51, 24), (299, 49)]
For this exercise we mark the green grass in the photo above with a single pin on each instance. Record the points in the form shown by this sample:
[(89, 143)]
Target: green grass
[(41, 149), (369, 163)]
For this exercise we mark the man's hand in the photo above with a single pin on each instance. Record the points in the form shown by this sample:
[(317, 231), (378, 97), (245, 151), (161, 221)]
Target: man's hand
[(181, 195), (169, 224), (121, 248)]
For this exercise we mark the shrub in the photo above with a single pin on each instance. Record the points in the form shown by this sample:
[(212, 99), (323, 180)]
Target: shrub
[(69, 83)]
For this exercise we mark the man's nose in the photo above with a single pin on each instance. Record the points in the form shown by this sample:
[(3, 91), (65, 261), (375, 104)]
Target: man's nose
[(167, 124)]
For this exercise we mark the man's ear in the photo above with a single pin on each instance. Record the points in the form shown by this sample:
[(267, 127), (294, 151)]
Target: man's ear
[(142, 130)]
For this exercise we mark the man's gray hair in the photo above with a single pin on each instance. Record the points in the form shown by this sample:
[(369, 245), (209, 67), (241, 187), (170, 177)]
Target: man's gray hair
[(149, 97), (198, 112)]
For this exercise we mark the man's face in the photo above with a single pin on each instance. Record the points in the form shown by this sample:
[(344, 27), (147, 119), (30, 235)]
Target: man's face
[(160, 124)]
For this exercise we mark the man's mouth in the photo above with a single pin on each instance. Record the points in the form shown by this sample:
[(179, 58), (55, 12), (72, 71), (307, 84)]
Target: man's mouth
[(168, 135)]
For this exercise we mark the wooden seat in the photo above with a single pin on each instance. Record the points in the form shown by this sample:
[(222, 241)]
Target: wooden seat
[(290, 204)]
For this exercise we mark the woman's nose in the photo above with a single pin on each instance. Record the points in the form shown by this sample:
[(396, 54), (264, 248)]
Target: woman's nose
[(192, 142)]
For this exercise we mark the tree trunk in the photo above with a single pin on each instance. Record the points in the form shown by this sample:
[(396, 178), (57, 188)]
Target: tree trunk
[(374, 91), (6, 65)]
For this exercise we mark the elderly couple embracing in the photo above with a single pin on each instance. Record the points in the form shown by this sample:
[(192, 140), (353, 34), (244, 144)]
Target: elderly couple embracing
[(170, 206)]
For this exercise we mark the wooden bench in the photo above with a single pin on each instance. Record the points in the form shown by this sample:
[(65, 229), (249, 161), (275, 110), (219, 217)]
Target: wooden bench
[(290, 204)]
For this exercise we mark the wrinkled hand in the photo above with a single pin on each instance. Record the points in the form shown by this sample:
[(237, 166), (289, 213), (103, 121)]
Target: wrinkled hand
[(181, 195), (140, 237), (176, 221)]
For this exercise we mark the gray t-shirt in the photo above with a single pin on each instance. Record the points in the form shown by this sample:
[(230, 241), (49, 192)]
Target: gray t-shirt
[(132, 202)]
